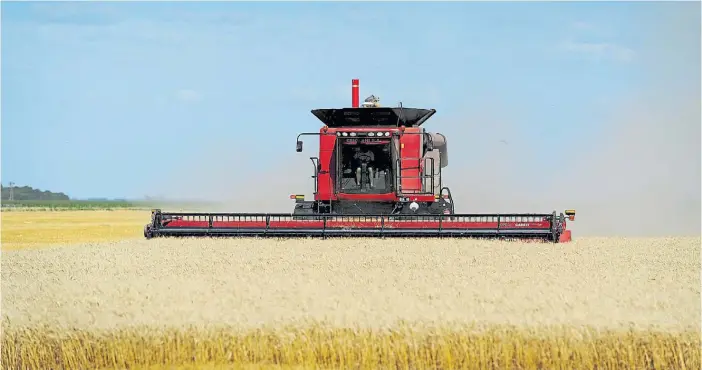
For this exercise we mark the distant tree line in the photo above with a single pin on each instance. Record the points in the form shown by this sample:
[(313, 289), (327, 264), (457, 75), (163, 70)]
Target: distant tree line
[(29, 193)]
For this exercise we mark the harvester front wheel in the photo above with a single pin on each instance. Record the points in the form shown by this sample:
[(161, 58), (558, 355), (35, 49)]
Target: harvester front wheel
[(148, 232)]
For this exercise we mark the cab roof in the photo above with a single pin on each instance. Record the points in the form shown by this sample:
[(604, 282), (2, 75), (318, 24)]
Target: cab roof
[(380, 116)]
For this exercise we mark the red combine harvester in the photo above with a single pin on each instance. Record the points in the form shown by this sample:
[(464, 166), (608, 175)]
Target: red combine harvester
[(378, 174)]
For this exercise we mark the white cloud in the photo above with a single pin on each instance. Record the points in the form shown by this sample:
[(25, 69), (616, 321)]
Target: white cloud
[(582, 25), (75, 12), (188, 95), (593, 29), (601, 50), (598, 46)]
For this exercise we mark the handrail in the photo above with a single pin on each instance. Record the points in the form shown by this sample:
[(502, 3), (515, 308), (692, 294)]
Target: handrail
[(422, 175)]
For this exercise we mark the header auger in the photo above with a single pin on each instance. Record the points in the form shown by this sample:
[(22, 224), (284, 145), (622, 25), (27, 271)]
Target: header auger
[(378, 173)]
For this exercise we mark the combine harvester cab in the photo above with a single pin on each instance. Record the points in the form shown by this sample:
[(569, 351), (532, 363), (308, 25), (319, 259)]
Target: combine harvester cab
[(378, 174)]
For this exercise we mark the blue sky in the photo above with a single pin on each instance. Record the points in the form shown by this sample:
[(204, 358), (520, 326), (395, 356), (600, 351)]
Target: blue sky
[(129, 99)]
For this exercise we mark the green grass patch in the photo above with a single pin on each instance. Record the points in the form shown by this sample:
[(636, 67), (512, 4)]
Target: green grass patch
[(77, 205), (8, 205)]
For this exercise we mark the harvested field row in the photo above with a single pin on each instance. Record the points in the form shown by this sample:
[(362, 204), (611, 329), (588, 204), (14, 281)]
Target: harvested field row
[(603, 283), (325, 347)]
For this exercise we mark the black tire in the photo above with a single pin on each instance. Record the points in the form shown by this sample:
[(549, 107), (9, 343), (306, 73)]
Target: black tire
[(148, 232)]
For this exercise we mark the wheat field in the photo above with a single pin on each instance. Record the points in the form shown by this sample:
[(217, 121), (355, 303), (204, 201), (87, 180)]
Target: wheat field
[(86, 301), (27, 228)]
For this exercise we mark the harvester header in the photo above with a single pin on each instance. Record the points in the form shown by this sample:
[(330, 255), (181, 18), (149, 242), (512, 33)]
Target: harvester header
[(378, 173)]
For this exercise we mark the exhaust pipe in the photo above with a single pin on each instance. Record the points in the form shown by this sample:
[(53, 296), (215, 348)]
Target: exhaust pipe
[(354, 93)]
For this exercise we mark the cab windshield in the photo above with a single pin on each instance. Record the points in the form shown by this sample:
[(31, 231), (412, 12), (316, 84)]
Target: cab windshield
[(366, 166)]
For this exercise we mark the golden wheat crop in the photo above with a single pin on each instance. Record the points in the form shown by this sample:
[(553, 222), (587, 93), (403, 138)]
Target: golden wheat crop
[(354, 303), (325, 347), (41, 228)]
